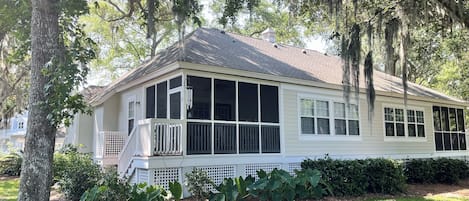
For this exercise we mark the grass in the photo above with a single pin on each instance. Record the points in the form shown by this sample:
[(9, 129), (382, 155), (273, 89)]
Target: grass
[(426, 198), (9, 189)]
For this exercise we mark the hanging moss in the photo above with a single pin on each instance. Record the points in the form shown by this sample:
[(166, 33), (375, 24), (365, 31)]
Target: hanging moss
[(370, 89), (354, 49), (390, 33), (346, 68)]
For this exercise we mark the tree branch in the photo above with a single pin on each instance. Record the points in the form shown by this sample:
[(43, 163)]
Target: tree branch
[(454, 10)]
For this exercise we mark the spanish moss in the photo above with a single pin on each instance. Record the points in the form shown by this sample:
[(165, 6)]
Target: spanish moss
[(370, 89)]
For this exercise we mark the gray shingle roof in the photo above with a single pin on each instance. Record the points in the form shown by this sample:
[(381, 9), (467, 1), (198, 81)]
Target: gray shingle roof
[(216, 48)]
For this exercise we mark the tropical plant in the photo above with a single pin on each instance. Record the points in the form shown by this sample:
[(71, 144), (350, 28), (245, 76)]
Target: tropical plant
[(197, 183), (176, 190)]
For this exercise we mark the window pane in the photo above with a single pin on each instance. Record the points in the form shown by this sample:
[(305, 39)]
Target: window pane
[(460, 120), (410, 115), (444, 119), (130, 126), (411, 129), (340, 127), (201, 97), (420, 118), (150, 102), (389, 129), (131, 110), (248, 102), (175, 105), (307, 107), (175, 82), (399, 115), (447, 141), (307, 125), (462, 141), (199, 138), (269, 104), (248, 139), (421, 130), (436, 118), (438, 141), (400, 129), (224, 139), (270, 139), (452, 119), (161, 100), (353, 111), (323, 126), (322, 108), (454, 141), (354, 128), (225, 100), (388, 114), (339, 110)]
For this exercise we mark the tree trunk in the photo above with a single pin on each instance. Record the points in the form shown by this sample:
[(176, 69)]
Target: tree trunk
[(36, 174)]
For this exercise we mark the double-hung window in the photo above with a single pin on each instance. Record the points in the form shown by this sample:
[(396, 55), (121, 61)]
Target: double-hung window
[(323, 117), (399, 122)]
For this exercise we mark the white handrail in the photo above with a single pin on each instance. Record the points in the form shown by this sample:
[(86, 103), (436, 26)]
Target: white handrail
[(125, 155)]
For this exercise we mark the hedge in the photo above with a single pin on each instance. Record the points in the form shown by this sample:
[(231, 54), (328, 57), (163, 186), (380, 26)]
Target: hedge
[(441, 170)]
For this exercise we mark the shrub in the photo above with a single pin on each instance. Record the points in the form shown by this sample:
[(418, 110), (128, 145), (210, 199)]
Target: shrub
[(384, 176), (144, 192), (10, 164), (357, 177), (197, 183), (441, 170), (108, 188), (75, 173), (176, 190)]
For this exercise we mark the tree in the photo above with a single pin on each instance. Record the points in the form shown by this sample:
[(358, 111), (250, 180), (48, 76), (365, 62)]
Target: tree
[(59, 54)]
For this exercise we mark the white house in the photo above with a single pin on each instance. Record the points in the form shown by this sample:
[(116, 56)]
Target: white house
[(231, 104)]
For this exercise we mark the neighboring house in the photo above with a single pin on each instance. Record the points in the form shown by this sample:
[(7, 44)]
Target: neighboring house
[(231, 105), (13, 137)]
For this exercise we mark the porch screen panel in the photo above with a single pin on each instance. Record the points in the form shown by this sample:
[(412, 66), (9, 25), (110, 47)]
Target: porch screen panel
[(175, 82), (199, 138), (175, 105), (449, 129), (269, 104), (248, 139), (270, 136), (225, 139), (161, 99), (248, 102), (150, 102), (225, 100), (201, 97)]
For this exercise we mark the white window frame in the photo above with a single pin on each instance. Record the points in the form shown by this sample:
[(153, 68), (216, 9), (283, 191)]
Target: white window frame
[(332, 136), (129, 117), (451, 152), (406, 137), (168, 92), (21, 125)]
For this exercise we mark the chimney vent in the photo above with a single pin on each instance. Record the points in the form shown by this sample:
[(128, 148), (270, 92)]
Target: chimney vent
[(268, 35)]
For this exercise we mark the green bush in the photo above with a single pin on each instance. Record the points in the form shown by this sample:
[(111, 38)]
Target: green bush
[(357, 177), (176, 190), (197, 183), (441, 170), (384, 176), (144, 192), (109, 188), (10, 164), (75, 173)]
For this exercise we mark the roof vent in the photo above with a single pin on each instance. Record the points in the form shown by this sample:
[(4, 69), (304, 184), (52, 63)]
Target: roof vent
[(268, 35), (222, 31), (303, 51), (275, 45)]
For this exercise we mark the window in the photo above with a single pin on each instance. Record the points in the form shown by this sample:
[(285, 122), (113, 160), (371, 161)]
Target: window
[(269, 104), (161, 99), (130, 116), (449, 129), (150, 102), (248, 102), (317, 117), (403, 123), (225, 100), (175, 82), (175, 105), (20, 125), (201, 89)]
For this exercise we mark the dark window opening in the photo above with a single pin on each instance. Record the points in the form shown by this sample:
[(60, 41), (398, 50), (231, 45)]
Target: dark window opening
[(199, 138), (269, 104), (200, 88), (444, 119), (248, 102), (150, 102), (389, 129), (225, 100), (412, 131), (340, 127), (460, 120), (175, 82), (447, 141), (270, 139), (451, 122), (307, 125), (225, 139), (354, 128), (161, 100), (175, 105), (248, 139), (439, 141), (130, 126), (400, 129)]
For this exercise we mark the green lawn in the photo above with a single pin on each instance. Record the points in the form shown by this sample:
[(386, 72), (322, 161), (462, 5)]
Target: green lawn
[(426, 198), (9, 189)]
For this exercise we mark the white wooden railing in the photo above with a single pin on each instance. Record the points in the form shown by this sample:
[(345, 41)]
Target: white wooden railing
[(152, 137), (168, 138)]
